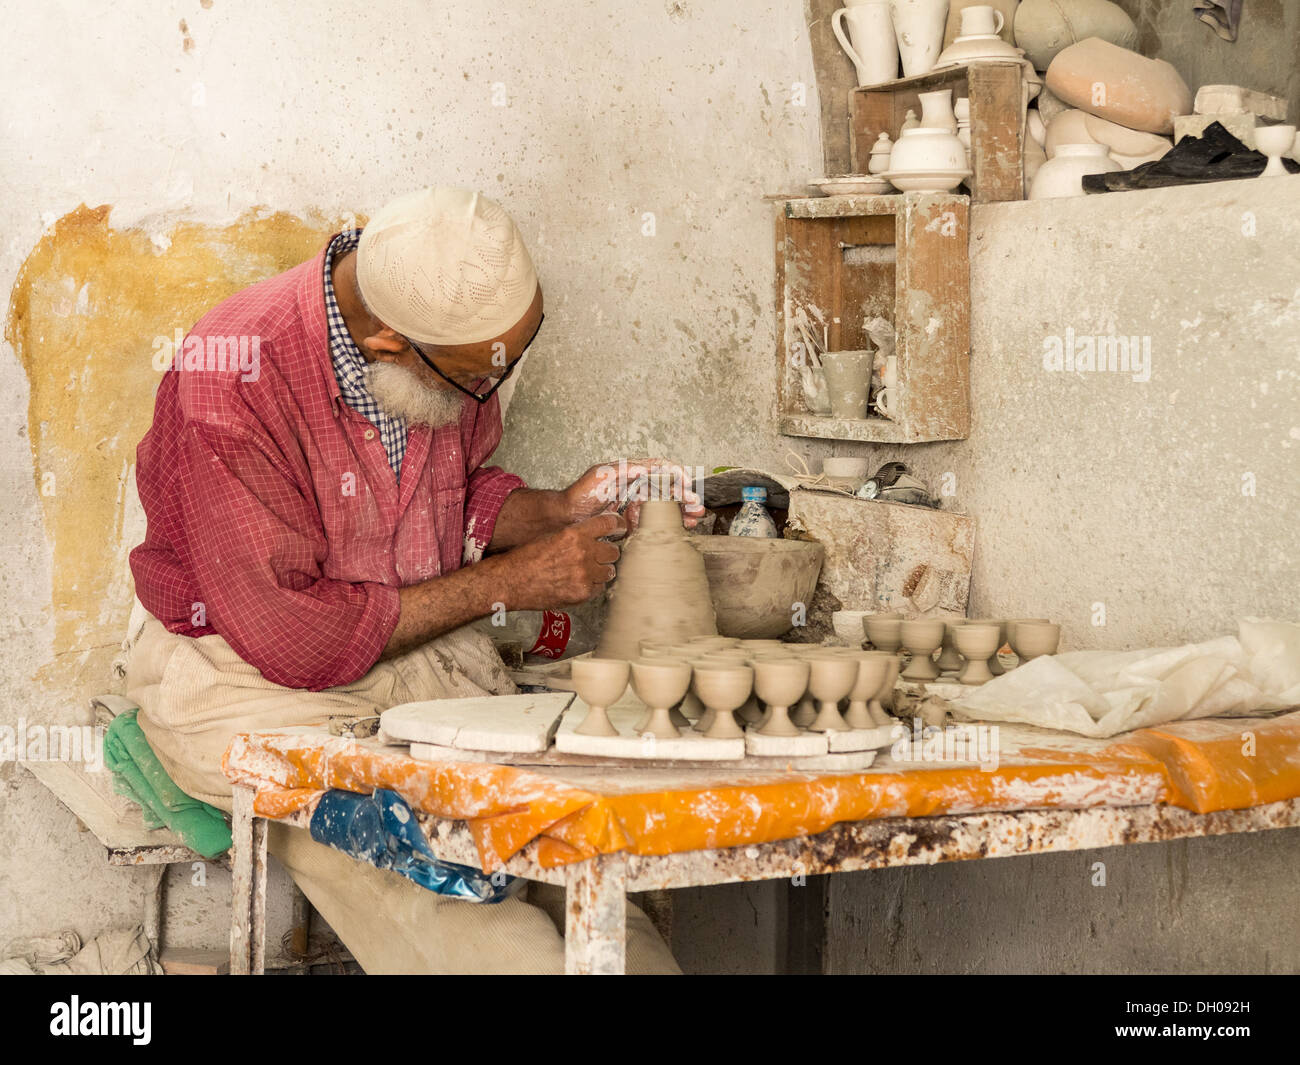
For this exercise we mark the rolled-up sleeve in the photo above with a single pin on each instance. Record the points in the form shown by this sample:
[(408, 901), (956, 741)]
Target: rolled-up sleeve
[(488, 487), (255, 544)]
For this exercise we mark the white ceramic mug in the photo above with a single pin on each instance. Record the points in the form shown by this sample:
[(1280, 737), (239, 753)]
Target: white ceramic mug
[(981, 20), (870, 41), (848, 381), (885, 403)]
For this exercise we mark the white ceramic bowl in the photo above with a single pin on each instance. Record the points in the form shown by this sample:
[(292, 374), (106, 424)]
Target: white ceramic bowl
[(925, 149), (852, 185), (841, 466), (927, 180)]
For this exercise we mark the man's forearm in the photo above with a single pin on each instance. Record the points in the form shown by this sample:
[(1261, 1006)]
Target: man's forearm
[(435, 606), (528, 514)]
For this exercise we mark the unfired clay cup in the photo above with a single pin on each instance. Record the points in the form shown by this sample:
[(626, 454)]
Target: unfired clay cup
[(1037, 638), (885, 695), (599, 682), (922, 638), (872, 668), (661, 683), (995, 667), (1011, 632), (885, 633), (949, 660), (780, 684), (848, 380), (831, 679), (723, 689), (976, 642)]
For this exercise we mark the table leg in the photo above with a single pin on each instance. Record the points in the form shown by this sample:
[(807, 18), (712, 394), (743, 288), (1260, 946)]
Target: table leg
[(595, 924), (247, 886), (155, 894)]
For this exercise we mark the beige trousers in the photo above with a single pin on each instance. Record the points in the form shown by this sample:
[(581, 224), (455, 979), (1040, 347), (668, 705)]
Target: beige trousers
[(196, 694)]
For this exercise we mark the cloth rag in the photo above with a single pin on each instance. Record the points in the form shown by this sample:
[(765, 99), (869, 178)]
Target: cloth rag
[(139, 776), (1103, 693), (1222, 16)]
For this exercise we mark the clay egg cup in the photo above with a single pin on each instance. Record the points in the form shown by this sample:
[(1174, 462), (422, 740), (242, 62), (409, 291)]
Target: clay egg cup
[(873, 666), (922, 638), (1011, 631), (780, 683), (661, 683), (885, 634), (599, 682), (723, 689), (1037, 638), (831, 678), (976, 642)]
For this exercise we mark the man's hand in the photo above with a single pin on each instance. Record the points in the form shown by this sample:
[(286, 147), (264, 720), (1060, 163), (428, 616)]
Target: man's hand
[(604, 487), (561, 568), (564, 568)]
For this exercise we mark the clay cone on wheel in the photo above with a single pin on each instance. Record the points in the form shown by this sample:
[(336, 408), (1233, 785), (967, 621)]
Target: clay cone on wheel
[(661, 591)]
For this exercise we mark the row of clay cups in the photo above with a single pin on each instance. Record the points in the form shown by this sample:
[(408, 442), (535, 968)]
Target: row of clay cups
[(964, 651), (797, 686)]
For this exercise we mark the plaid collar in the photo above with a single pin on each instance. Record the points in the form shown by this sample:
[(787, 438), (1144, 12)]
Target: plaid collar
[(350, 365)]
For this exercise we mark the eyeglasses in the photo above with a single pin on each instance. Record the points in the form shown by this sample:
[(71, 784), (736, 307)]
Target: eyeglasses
[(476, 396)]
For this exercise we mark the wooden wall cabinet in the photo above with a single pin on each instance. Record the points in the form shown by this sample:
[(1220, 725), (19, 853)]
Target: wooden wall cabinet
[(845, 259), (997, 93)]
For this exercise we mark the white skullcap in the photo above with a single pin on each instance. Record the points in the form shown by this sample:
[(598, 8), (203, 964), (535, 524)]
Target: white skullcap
[(445, 266)]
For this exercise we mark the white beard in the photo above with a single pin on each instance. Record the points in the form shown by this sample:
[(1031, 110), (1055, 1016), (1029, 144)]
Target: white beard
[(400, 393)]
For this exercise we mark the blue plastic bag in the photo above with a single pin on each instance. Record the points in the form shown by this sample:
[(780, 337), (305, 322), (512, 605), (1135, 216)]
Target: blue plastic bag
[(381, 829)]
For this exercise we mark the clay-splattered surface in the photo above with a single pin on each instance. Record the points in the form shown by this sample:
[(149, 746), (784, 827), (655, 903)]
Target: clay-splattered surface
[(84, 315)]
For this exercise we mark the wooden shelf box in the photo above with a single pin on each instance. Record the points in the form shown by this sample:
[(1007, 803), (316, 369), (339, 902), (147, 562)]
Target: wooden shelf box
[(845, 259), (997, 94)]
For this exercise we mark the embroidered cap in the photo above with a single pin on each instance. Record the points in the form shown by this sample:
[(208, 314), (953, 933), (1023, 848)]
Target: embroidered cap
[(445, 266)]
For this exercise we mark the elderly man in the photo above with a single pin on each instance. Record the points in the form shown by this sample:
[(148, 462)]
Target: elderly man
[(320, 531)]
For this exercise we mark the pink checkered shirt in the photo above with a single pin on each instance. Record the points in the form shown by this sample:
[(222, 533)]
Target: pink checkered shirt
[(274, 516)]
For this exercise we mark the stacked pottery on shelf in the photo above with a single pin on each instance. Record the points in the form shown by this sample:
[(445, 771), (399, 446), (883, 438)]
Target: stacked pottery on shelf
[(930, 157), (1119, 111)]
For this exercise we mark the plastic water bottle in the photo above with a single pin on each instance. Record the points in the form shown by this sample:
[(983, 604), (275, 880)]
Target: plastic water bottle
[(753, 519), (540, 633)]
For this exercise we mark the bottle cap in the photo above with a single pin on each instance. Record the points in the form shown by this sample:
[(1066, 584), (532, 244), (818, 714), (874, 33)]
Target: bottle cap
[(754, 494)]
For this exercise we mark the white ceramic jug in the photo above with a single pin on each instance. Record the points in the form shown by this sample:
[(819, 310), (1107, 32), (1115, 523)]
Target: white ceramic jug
[(870, 40), (936, 110), (918, 25)]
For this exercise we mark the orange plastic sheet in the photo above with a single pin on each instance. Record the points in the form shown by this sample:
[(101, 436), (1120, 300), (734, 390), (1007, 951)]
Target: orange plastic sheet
[(574, 813)]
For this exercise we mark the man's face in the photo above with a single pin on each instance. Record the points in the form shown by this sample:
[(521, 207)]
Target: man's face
[(469, 364), (404, 385)]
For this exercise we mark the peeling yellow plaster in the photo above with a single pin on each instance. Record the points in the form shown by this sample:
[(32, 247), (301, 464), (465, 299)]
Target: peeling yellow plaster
[(84, 313)]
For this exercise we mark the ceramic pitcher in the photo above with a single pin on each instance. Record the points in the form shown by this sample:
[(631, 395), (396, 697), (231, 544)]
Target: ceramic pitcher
[(936, 110), (918, 26), (869, 41)]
